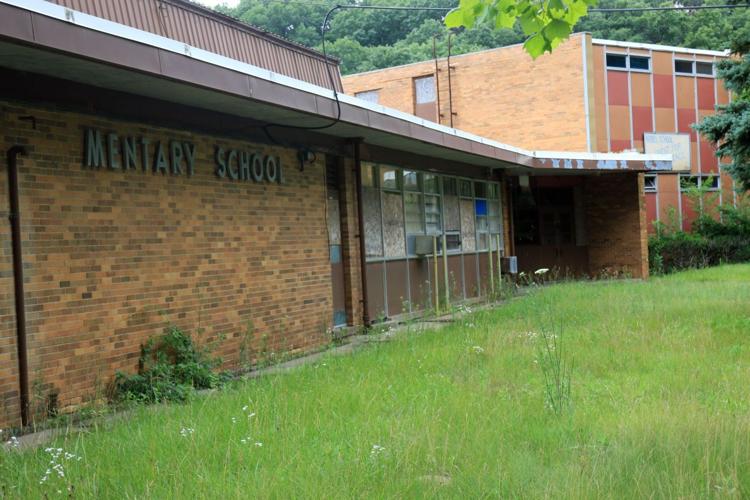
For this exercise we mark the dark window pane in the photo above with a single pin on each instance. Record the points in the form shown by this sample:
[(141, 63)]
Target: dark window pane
[(616, 61), (450, 186), (480, 190), (683, 66), (638, 62), (465, 187), (710, 182), (649, 183), (704, 68), (687, 182)]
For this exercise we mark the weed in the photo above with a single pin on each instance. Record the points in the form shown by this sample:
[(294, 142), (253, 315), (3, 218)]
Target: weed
[(169, 369), (555, 370)]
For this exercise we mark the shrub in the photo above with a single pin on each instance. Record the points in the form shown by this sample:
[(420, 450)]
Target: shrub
[(170, 368), (712, 242)]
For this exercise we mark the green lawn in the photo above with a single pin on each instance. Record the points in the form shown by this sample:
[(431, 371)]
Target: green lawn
[(660, 408)]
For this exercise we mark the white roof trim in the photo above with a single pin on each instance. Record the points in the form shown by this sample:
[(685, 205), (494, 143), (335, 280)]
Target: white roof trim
[(664, 48), (49, 9)]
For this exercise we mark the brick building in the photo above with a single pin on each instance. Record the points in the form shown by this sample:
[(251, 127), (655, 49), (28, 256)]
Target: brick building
[(151, 182), (588, 95)]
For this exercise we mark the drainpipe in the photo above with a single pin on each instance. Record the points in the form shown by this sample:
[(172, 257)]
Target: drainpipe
[(15, 229), (450, 86), (361, 223)]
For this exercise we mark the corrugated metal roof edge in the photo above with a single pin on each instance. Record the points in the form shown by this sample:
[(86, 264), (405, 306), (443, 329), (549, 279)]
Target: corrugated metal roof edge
[(257, 30), (64, 14)]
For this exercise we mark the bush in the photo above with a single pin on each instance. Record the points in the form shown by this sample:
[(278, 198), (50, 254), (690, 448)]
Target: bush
[(169, 369), (712, 242)]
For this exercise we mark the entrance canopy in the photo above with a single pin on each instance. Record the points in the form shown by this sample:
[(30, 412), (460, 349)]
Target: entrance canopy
[(44, 38)]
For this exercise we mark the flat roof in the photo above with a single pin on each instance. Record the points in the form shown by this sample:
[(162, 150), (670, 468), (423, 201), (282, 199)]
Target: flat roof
[(42, 37), (663, 48)]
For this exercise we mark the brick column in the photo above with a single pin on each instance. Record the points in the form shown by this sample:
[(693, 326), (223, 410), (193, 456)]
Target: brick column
[(615, 216)]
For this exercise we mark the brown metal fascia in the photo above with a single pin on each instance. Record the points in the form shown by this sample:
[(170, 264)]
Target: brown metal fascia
[(356, 143), (15, 229)]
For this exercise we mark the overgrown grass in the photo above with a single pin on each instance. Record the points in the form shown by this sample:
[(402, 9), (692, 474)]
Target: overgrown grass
[(660, 407)]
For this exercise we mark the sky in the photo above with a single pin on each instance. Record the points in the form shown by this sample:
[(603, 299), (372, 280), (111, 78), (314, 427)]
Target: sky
[(214, 3)]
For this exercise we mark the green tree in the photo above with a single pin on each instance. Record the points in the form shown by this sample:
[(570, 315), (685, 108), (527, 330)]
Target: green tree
[(546, 23), (729, 128)]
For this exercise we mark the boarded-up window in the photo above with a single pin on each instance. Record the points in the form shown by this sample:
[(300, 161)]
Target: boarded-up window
[(372, 96), (468, 235), (393, 225), (452, 215), (371, 215), (425, 98)]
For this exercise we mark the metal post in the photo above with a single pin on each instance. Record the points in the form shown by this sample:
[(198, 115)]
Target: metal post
[(435, 274), (445, 272), (492, 269), (499, 264)]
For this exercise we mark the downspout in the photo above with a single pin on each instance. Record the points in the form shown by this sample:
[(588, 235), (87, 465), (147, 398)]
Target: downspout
[(437, 78), (15, 229), (361, 223), (450, 87)]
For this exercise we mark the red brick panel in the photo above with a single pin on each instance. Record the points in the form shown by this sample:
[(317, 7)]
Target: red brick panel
[(663, 91), (706, 96), (642, 123), (689, 212), (686, 118), (709, 161), (617, 88)]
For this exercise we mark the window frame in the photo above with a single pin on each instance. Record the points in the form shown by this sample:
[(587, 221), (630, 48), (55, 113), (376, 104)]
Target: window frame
[(651, 189), (692, 67), (628, 66)]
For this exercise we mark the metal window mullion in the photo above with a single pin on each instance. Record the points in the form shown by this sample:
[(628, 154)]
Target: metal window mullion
[(406, 248), (606, 99), (385, 256)]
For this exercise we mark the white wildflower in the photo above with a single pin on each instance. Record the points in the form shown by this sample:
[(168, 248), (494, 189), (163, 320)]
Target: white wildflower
[(13, 442), (541, 271), (376, 450), (477, 349), (186, 431), (234, 420), (258, 444)]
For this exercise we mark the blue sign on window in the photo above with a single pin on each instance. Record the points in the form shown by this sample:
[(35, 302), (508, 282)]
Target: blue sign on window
[(481, 207)]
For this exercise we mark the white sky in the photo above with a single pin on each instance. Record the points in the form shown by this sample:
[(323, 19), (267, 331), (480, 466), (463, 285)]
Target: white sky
[(214, 3)]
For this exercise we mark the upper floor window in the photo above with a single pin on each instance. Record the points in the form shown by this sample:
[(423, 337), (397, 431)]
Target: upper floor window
[(425, 98), (629, 62), (706, 182), (685, 67), (650, 183), (372, 96)]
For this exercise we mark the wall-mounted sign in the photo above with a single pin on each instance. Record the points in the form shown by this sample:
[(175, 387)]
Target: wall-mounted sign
[(678, 145), (128, 153)]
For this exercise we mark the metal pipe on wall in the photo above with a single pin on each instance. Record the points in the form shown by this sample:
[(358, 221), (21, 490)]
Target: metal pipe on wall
[(361, 223), (15, 230)]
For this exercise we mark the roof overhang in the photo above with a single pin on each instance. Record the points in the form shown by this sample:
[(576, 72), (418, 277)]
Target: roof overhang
[(41, 37)]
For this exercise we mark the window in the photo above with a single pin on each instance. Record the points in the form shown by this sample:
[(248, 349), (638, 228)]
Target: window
[(414, 213), (710, 182), (432, 214), (689, 182), (412, 180), (425, 98), (372, 96), (640, 63), (424, 90), (465, 189), (685, 67), (649, 184), (631, 62), (617, 61), (704, 68), (390, 178), (450, 186)]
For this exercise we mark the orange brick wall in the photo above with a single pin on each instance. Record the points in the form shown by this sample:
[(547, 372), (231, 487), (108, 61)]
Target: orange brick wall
[(111, 257), (615, 216), (501, 93)]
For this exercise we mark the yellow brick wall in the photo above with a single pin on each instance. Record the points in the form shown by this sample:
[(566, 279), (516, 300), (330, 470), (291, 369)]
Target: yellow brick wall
[(113, 257), (501, 94)]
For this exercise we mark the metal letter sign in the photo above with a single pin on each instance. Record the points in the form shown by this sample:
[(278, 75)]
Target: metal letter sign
[(175, 158)]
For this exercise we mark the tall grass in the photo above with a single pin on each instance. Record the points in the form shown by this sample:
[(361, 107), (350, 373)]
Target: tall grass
[(661, 408)]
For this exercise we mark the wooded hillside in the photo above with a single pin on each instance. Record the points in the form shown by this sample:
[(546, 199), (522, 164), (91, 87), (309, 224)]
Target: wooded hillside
[(367, 39)]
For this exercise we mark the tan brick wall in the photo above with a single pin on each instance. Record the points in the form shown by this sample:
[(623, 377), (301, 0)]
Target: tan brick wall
[(112, 257), (615, 217), (501, 94)]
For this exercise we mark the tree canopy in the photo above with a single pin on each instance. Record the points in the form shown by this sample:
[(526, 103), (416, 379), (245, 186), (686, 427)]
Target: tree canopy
[(367, 39), (729, 128)]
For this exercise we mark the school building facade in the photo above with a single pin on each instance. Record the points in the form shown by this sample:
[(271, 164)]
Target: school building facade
[(153, 180), (587, 95)]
